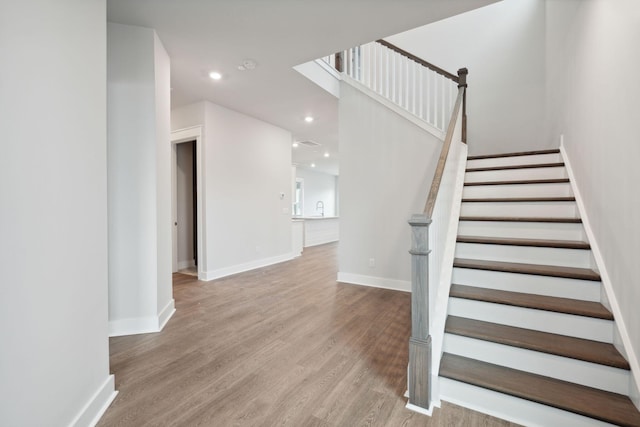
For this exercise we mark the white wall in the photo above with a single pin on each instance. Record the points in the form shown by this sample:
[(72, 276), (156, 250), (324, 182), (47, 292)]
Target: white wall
[(184, 201), (139, 173), (387, 164), (246, 165), (594, 49), (502, 45), (318, 187), (54, 357)]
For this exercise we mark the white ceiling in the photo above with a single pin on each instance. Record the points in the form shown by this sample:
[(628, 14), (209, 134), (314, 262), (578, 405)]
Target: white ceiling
[(205, 35)]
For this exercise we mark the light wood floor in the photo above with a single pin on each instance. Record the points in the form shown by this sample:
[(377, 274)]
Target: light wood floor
[(282, 345)]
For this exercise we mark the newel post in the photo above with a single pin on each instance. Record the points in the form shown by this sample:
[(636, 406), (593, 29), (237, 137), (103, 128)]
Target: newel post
[(419, 374), (462, 82)]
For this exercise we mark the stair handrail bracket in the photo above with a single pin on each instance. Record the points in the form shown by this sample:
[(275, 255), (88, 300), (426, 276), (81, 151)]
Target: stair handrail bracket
[(422, 364)]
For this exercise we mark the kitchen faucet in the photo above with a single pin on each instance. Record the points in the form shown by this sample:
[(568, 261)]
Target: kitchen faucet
[(320, 206)]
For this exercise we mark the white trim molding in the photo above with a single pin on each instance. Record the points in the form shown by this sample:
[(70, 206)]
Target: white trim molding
[(97, 405), (142, 325), (185, 135), (241, 268), (375, 282), (606, 280)]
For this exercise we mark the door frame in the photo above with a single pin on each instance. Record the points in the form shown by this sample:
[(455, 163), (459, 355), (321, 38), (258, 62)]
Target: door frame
[(193, 133)]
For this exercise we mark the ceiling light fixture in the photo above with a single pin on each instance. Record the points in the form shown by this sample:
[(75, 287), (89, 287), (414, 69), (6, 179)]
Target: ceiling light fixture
[(295, 145), (215, 75), (313, 165), (326, 154), (308, 119)]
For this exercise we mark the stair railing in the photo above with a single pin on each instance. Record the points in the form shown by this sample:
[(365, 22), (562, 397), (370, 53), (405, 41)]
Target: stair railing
[(438, 97), (417, 86), (429, 231)]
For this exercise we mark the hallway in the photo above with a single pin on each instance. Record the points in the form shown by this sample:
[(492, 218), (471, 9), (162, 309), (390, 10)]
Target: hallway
[(281, 345)]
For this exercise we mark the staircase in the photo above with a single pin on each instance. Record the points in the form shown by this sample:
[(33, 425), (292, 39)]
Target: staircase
[(526, 337)]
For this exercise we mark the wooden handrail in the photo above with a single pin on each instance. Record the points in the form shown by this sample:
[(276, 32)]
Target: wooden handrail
[(437, 176), (420, 61)]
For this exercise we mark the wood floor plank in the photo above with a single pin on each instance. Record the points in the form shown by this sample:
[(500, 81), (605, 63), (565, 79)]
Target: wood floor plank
[(281, 345), (509, 167), (511, 241), (537, 302), (521, 219), (519, 182), (560, 345), (517, 199), (514, 154), (601, 405), (535, 269)]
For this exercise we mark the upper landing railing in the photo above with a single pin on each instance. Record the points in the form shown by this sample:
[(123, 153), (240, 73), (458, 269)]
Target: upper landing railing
[(439, 98), (417, 86)]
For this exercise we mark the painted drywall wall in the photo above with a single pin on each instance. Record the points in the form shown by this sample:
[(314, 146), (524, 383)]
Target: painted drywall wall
[(184, 201), (593, 45), (139, 174), (387, 164), (502, 45), (54, 361), (246, 168), (318, 187)]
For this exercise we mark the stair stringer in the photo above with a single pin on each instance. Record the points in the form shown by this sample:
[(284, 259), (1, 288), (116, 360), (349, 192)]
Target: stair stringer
[(439, 290), (621, 340)]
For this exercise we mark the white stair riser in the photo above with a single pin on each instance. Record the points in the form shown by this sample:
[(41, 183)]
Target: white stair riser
[(585, 290), (576, 371), (516, 174), (540, 320), (511, 408), (525, 254), (515, 160), (520, 209), (524, 230), (518, 190)]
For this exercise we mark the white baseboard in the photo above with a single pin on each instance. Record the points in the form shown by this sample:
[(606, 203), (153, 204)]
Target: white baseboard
[(321, 241), (240, 268), (186, 264), (606, 280), (142, 325), (166, 313), (97, 405), (420, 410), (375, 282)]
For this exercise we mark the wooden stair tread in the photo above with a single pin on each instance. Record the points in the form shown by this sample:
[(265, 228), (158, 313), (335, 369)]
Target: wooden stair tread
[(520, 199), (516, 154), (521, 219), (521, 181), (536, 269), (545, 342), (590, 402), (543, 243), (538, 302), (507, 167)]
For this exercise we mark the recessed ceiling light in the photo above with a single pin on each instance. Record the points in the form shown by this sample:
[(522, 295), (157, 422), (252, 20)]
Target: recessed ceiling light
[(295, 145), (313, 165), (215, 75), (326, 154), (308, 119)]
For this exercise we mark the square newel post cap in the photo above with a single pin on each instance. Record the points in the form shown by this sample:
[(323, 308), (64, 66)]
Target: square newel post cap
[(420, 220)]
